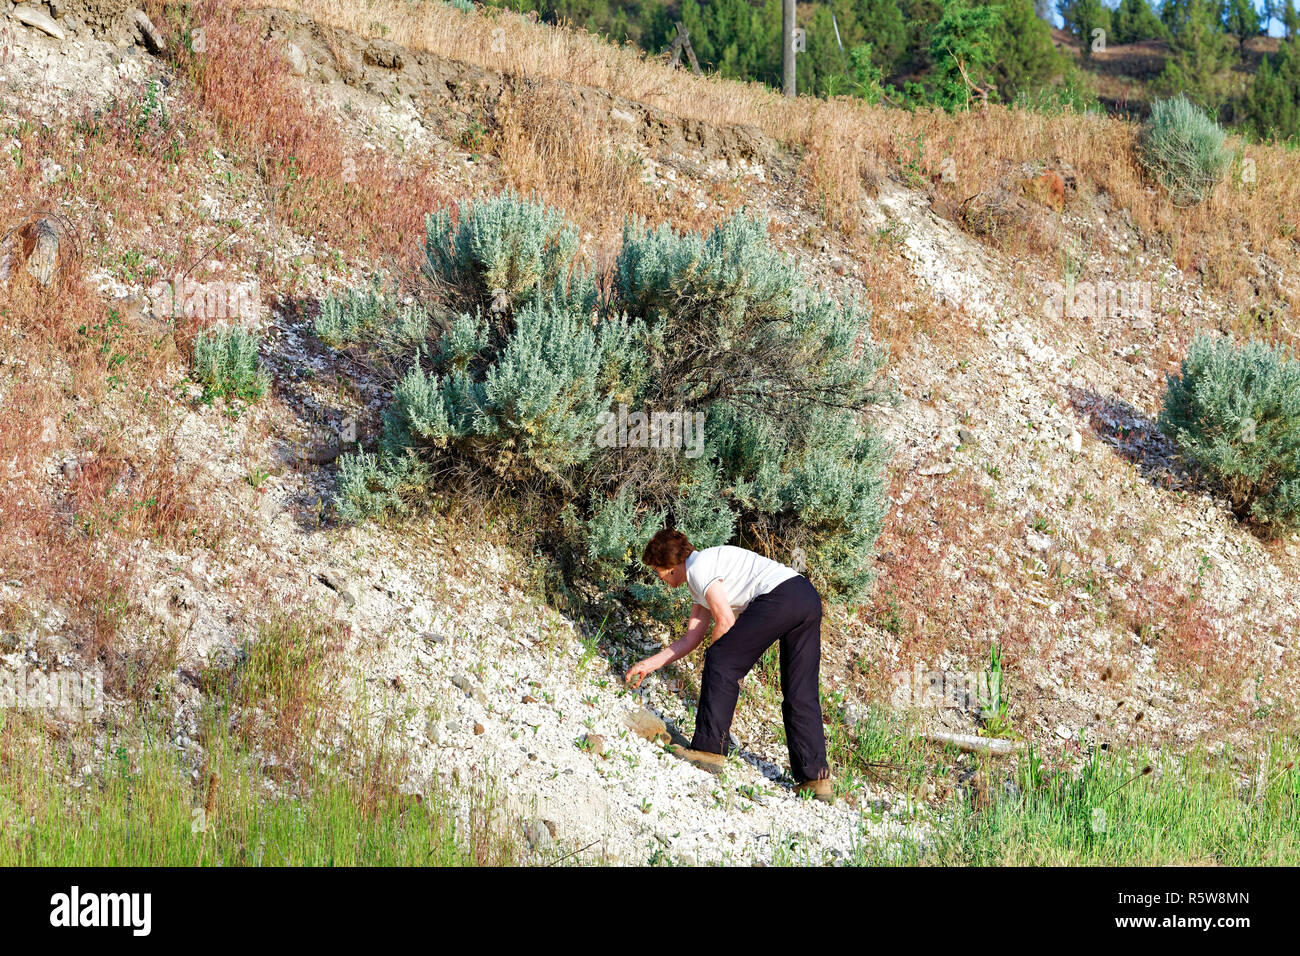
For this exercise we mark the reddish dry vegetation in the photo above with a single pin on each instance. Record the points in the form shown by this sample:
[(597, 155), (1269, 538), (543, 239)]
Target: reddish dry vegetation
[(82, 381), (84, 376), (931, 595), (316, 180)]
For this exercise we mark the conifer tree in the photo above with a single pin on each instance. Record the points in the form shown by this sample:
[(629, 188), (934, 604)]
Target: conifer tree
[(1273, 101), (962, 49), (1082, 18), (1135, 20), (1241, 19)]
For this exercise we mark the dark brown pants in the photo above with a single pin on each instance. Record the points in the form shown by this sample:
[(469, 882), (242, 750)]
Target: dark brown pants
[(792, 614)]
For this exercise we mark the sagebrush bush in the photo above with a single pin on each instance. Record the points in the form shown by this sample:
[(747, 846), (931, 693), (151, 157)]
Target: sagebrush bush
[(1235, 415), (771, 378), (505, 251), (1183, 148), (225, 364)]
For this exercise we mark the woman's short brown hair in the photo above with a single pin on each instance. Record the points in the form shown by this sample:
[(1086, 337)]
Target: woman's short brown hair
[(667, 549)]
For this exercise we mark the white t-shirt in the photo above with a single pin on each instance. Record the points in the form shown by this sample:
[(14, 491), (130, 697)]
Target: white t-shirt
[(745, 574)]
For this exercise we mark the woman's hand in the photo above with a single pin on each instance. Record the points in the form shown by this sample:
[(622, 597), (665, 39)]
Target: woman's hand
[(640, 670)]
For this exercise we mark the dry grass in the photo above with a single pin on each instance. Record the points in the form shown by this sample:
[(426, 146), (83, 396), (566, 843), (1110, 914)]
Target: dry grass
[(548, 148), (315, 179), (83, 380), (845, 141)]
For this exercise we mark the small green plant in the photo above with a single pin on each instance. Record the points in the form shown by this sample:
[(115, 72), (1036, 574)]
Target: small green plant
[(914, 171), (472, 136), (994, 715), (1183, 149), (225, 364)]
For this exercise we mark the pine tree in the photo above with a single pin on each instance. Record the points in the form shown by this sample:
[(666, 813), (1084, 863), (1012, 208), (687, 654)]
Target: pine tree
[(1290, 18), (1199, 50), (881, 23), (1082, 17), (1134, 21), (962, 49), (824, 67), (1273, 101), (1024, 55), (1241, 19)]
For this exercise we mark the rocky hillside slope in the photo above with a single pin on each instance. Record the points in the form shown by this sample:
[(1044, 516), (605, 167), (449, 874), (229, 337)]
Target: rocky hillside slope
[(1036, 506)]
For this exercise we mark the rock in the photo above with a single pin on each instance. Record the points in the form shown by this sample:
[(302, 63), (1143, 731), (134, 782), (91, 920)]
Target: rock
[(50, 170), (1038, 542), (432, 732), (595, 743), (148, 33), (936, 468), (464, 683), (529, 699), (538, 833), (296, 58), (38, 20), (966, 435), (70, 468), (479, 729), (321, 454), (1076, 441), (337, 583), (38, 244), (646, 725), (433, 637)]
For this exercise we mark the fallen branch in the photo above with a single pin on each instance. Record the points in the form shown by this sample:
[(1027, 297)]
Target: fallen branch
[(975, 745)]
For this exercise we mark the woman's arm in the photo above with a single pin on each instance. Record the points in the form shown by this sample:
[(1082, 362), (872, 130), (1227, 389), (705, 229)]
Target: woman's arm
[(720, 608), (696, 629)]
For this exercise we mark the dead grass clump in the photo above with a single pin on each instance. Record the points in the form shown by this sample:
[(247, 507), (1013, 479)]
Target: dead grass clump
[(549, 148)]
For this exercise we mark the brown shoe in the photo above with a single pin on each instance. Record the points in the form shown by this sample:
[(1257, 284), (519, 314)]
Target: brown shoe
[(713, 763), (820, 789)]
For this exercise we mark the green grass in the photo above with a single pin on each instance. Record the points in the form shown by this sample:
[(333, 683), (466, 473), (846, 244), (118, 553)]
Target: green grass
[(1195, 809), (146, 810), (1225, 808), (274, 785)]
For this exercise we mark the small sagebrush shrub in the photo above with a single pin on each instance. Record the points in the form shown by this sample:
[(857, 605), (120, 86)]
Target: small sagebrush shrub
[(1235, 415), (225, 364), (371, 317), (1183, 148), (711, 386)]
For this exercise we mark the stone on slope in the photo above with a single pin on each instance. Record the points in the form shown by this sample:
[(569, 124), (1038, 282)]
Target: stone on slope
[(646, 725), (296, 59), (38, 19), (148, 33)]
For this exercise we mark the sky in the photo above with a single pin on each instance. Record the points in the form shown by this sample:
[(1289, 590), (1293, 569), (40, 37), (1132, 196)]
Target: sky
[(1274, 27)]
